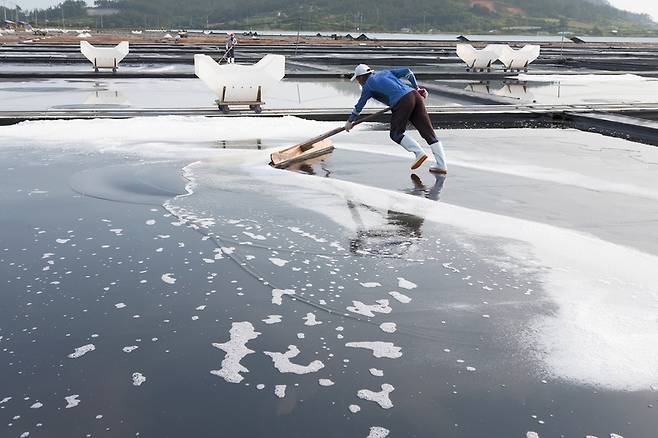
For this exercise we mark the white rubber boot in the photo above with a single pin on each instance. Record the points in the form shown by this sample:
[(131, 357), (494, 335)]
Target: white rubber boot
[(412, 146), (440, 157)]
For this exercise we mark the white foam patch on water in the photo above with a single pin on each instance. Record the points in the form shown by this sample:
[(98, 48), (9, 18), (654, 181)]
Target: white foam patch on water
[(72, 401), (354, 408), (272, 319), (168, 278), (592, 282), (388, 327), (378, 432), (277, 295), (81, 351), (369, 310), (279, 262), (325, 382), (406, 284), (284, 365), (235, 349), (382, 398), (400, 297), (280, 391), (138, 379), (311, 320), (379, 349), (371, 284)]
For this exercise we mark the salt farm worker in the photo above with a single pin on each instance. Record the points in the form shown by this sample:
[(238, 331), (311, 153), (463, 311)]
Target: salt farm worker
[(407, 106), (231, 42)]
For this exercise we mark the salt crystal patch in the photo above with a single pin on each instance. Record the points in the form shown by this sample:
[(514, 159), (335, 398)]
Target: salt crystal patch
[(400, 297), (279, 262), (531, 434), (280, 391), (470, 368), (381, 398), (406, 284), (235, 349), (130, 348), (138, 379), (62, 241), (379, 349), (201, 307), (5, 400), (120, 305), (325, 382), (375, 372), (168, 278), (81, 351), (369, 310), (150, 222), (72, 401), (25, 435), (254, 236), (260, 386), (388, 327), (310, 319), (228, 250), (284, 365), (272, 319), (277, 295), (371, 285), (354, 408), (378, 432), (37, 405)]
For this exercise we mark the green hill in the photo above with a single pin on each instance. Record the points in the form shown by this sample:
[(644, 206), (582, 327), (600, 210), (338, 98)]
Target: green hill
[(584, 16)]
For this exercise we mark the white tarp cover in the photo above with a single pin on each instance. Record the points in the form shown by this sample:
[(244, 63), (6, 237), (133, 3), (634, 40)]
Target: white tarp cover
[(521, 58), (509, 57), (105, 57), (241, 81)]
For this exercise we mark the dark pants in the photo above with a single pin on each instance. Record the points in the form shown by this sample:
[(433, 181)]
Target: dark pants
[(230, 53), (411, 108)]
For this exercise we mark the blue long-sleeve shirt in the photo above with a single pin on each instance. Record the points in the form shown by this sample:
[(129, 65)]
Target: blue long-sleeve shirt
[(386, 87)]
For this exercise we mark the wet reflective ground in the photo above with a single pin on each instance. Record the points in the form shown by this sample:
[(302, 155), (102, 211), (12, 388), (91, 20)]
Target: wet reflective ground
[(452, 276)]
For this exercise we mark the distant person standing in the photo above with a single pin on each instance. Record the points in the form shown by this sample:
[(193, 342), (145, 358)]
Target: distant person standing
[(231, 42)]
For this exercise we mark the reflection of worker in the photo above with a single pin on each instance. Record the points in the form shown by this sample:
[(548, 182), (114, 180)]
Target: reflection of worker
[(231, 42), (407, 106)]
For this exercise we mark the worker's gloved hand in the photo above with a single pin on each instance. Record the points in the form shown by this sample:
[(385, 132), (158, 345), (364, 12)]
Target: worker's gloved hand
[(423, 92), (349, 125)]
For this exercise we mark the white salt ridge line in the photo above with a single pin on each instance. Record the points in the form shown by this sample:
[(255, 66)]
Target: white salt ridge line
[(130, 348), (254, 236), (72, 401), (400, 297), (388, 327), (354, 408), (280, 391), (310, 319), (279, 262), (382, 398), (235, 349), (371, 284), (81, 351), (272, 319), (168, 278), (284, 365), (325, 382), (379, 349), (37, 405), (120, 305), (305, 234), (375, 372), (577, 342), (138, 379), (406, 284), (277, 295), (378, 432), (360, 308)]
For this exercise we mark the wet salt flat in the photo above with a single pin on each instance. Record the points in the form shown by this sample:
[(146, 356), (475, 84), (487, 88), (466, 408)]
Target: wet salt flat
[(154, 285), (172, 93), (571, 89)]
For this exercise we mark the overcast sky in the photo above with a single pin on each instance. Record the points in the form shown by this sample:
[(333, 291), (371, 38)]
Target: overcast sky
[(647, 6)]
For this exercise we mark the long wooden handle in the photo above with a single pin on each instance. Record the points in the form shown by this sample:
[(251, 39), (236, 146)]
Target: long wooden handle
[(308, 144)]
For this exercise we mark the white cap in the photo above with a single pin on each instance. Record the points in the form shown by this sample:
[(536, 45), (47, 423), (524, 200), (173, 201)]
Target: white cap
[(361, 70)]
